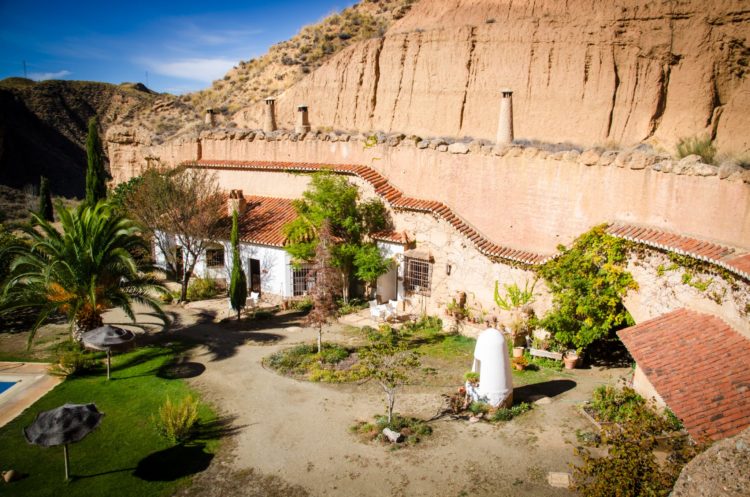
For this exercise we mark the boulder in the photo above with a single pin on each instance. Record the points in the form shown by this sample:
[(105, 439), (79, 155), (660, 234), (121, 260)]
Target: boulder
[(590, 157), (641, 160), (608, 157), (458, 148), (393, 436), (622, 158), (727, 169)]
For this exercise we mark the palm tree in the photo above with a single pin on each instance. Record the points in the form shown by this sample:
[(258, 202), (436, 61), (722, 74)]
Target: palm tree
[(96, 262)]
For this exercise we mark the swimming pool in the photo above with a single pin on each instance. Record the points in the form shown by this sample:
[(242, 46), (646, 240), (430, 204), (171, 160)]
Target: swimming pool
[(4, 385)]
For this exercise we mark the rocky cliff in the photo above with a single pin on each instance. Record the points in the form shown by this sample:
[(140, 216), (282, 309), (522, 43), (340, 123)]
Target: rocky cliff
[(582, 71)]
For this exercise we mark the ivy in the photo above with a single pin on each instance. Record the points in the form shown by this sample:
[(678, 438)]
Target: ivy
[(588, 281)]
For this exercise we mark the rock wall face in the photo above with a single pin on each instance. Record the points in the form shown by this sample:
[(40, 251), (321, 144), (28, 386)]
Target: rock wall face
[(582, 71)]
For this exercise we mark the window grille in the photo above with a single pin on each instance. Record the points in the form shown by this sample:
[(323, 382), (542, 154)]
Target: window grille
[(215, 258), (418, 276), (302, 280)]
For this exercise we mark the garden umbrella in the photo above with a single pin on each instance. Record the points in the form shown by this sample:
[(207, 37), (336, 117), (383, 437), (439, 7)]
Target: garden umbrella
[(63, 425), (105, 337)]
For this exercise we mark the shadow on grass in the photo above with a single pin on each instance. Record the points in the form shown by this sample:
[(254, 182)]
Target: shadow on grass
[(173, 463), (535, 391), (180, 369)]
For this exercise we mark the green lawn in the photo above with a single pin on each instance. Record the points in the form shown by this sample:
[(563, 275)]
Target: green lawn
[(124, 456)]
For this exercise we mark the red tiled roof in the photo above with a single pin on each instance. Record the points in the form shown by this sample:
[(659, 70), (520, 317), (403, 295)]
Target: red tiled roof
[(701, 368), (399, 237), (726, 257), (390, 194), (263, 220)]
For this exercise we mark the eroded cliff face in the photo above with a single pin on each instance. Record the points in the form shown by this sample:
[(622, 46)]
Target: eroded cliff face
[(582, 71)]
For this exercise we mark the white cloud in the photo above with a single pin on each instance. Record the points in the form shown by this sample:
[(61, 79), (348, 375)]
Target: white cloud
[(196, 69), (43, 76)]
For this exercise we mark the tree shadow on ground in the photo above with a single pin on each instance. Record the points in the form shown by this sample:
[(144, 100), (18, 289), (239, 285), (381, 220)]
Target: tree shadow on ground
[(535, 391), (221, 427), (224, 339), (607, 353), (173, 463)]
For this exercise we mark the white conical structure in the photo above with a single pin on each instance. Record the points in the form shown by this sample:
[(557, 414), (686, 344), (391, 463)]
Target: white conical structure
[(492, 363)]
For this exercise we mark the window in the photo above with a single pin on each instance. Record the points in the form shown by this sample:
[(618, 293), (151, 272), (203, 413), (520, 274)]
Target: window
[(302, 280), (418, 276), (215, 257)]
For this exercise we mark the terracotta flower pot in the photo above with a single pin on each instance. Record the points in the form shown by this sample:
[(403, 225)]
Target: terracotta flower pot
[(570, 362), (519, 367), (517, 351)]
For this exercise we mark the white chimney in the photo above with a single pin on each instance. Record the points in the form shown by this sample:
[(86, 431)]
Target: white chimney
[(505, 123)]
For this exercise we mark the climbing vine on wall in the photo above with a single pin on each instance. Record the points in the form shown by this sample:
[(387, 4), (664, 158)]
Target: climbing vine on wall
[(588, 281)]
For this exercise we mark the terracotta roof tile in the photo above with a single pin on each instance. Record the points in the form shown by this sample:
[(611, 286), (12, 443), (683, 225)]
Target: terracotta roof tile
[(263, 220), (730, 258), (708, 390)]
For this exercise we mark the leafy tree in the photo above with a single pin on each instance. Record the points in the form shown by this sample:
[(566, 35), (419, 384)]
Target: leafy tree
[(388, 360), (370, 264), (238, 281), (326, 284), (82, 270), (588, 282), (180, 208), (96, 175), (333, 198), (45, 200)]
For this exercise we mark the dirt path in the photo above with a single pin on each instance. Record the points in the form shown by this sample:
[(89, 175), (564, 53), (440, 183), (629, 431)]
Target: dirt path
[(298, 431)]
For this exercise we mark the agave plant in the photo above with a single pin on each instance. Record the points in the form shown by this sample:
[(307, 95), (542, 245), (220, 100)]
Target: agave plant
[(93, 264)]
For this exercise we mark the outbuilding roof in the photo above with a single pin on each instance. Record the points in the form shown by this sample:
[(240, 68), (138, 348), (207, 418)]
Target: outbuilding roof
[(262, 222), (701, 368)]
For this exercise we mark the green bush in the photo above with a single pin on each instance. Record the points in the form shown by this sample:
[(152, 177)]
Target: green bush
[(202, 289), (505, 414), (479, 408), (425, 327), (303, 361), (697, 146), (176, 421), (72, 360), (588, 282), (614, 405), (303, 305), (413, 429)]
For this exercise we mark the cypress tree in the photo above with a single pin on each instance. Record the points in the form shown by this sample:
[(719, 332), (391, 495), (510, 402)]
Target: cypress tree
[(96, 176), (238, 282), (45, 200)]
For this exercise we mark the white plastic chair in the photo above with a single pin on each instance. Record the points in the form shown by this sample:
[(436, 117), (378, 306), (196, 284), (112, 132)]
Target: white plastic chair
[(376, 311)]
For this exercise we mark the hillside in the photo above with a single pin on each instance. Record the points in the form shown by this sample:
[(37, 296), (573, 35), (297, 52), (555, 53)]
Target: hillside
[(43, 126), (288, 62), (590, 73)]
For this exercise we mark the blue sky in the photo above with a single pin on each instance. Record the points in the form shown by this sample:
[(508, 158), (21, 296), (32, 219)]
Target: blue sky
[(182, 45)]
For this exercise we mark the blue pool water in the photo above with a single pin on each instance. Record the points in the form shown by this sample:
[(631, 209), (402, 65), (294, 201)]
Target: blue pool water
[(4, 385)]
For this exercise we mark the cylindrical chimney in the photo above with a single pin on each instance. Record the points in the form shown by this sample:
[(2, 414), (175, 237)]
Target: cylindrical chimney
[(302, 124), (505, 123), (269, 124), (210, 120)]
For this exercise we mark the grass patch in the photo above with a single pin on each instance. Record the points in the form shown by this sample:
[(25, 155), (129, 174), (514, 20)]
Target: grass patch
[(414, 430), (125, 455), (449, 347), (335, 364), (701, 146)]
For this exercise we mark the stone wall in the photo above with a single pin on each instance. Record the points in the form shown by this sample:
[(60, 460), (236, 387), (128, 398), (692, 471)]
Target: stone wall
[(521, 197)]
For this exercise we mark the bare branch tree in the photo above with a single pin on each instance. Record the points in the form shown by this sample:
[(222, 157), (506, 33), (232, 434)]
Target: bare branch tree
[(180, 208)]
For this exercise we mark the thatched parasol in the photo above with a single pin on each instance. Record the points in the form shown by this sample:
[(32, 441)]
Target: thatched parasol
[(105, 337), (63, 425)]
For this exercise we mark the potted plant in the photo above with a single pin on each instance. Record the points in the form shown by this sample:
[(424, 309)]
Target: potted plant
[(518, 351), (472, 378), (570, 359), (520, 363)]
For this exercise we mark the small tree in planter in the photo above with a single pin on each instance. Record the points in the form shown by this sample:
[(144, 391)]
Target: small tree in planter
[(326, 278), (388, 361)]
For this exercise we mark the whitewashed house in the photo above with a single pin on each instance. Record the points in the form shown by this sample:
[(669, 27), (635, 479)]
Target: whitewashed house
[(268, 266)]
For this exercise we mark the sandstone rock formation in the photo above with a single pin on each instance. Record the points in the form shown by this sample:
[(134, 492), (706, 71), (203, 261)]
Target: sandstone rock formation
[(723, 470), (582, 71)]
